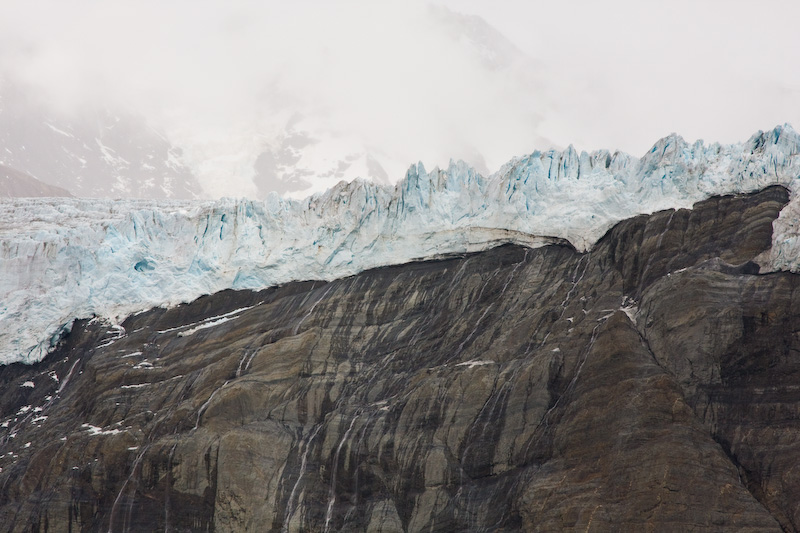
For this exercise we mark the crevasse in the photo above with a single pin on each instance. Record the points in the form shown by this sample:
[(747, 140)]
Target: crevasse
[(62, 259)]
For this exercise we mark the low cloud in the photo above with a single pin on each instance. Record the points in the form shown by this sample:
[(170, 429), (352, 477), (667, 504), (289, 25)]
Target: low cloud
[(622, 73), (386, 84), (401, 80)]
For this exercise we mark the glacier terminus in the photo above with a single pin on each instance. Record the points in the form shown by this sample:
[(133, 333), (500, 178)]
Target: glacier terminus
[(70, 258)]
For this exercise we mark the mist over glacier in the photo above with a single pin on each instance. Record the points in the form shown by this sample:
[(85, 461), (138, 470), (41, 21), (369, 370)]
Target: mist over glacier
[(77, 258), (292, 99), (266, 96)]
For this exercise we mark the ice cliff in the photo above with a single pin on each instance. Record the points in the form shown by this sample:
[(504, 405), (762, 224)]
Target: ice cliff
[(62, 259)]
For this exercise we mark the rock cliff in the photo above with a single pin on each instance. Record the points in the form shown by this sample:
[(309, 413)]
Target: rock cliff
[(648, 384)]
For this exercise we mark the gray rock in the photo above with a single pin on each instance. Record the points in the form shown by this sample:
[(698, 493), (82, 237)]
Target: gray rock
[(650, 384)]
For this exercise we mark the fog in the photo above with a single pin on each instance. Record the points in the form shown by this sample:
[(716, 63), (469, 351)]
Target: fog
[(626, 73), (407, 81)]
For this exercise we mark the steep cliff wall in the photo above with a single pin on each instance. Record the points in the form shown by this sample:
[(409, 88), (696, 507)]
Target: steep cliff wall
[(649, 384)]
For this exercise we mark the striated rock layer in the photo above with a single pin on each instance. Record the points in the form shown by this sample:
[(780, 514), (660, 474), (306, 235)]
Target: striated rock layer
[(649, 384)]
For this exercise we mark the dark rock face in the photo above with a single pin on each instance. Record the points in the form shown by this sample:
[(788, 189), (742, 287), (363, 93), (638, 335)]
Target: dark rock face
[(651, 384)]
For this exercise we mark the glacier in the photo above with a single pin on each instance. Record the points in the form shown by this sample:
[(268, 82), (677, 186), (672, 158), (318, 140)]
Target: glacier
[(63, 259)]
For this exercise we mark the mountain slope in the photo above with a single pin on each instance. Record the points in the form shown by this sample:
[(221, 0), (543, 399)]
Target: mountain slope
[(76, 259), (93, 153), (646, 384), (16, 184)]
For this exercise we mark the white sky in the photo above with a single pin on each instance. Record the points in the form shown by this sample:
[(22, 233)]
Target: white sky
[(630, 72), (223, 78)]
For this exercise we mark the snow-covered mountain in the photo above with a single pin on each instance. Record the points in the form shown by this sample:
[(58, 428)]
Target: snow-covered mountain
[(95, 153), (64, 259)]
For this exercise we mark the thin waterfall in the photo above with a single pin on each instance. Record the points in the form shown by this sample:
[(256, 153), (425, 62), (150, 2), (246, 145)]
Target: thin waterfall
[(303, 463)]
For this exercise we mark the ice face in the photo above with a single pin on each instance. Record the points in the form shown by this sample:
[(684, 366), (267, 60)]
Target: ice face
[(62, 259)]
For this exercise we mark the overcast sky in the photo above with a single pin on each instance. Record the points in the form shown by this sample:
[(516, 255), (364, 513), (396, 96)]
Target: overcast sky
[(396, 80), (631, 72)]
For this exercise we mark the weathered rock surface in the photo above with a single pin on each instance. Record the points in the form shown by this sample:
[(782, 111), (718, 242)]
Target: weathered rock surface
[(650, 384)]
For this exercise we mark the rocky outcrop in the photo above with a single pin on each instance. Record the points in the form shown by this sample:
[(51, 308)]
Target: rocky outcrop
[(650, 384)]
